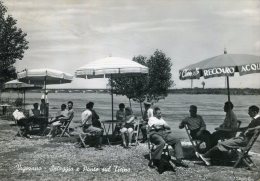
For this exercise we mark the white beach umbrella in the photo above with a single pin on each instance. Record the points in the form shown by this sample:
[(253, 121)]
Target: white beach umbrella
[(110, 67), (44, 77), (17, 85)]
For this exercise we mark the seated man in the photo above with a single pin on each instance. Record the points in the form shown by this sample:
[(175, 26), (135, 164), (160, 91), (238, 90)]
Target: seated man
[(120, 117), (22, 121), (160, 133), (87, 126), (34, 117), (230, 123), (35, 112), (57, 121), (197, 127), (65, 116), (237, 142)]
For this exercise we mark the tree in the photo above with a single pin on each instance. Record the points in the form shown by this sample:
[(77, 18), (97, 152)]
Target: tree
[(159, 76), (12, 45), (132, 86), (203, 84), (153, 86)]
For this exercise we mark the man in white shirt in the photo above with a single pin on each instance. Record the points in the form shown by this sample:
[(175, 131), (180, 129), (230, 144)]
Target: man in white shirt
[(160, 134), (86, 119)]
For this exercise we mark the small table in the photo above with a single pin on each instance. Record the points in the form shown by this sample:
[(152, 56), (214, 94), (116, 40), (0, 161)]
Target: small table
[(110, 125)]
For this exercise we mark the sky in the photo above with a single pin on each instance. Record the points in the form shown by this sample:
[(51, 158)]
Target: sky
[(67, 34)]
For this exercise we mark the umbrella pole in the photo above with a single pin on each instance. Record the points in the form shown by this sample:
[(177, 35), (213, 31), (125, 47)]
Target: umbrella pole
[(24, 98), (228, 89), (112, 99)]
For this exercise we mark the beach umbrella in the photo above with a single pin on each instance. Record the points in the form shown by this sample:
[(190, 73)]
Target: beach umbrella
[(222, 65), (110, 67), (17, 85), (44, 77)]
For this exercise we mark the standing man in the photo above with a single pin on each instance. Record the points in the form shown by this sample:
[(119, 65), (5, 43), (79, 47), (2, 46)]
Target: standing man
[(147, 114), (241, 141), (230, 123), (87, 124), (160, 134), (197, 127)]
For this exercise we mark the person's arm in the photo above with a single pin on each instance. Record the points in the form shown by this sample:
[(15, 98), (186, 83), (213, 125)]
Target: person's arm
[(84, 118), (183, 123)]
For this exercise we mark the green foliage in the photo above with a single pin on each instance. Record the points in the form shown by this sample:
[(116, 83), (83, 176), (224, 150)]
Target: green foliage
[(159, 76), (132, 86), (12, 45), (153, 86)]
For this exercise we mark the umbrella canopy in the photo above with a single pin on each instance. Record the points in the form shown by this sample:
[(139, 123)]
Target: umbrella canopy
[(44, 76), (222, 65), (17, 85), (110, 66)]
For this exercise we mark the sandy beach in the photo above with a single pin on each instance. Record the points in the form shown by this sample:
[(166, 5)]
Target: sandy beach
[(40, 158)]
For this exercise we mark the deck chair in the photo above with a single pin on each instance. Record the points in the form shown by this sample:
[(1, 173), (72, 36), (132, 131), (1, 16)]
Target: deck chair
[(136, 131), (82, 136), (234, 133), (194, 142), (65, 127), (242, 152)]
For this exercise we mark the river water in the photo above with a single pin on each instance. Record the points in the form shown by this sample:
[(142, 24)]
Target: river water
[(174, 108)]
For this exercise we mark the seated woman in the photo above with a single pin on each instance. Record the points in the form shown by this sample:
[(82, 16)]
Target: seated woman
[(22, 121), (120, 117), (57, 121), (128, 127)]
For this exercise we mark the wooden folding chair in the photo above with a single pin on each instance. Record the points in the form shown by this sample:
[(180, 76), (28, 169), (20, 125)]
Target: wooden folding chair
[(242, 152), (136, 131), (82, 136), (65, 127), (194, 142)]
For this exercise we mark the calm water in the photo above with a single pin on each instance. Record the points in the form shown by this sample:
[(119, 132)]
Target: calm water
[(174, 108)]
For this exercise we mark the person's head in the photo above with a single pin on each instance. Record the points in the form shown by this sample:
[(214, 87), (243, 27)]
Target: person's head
[(128, 111), (121, 106), (90, 105), (157, 112), (43, 101), (35, 105), (193, 111), (253, 111), (70, 105), (228, 106), (147, 105), (63, 107)]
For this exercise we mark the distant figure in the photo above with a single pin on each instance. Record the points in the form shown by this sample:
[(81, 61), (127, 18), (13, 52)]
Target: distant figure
[(148, 112), (120, 117), (127, 127), (241, 141), (35, 112), (197, 127), (45, 96), (87, 125), (230, 122), (44, 108)]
